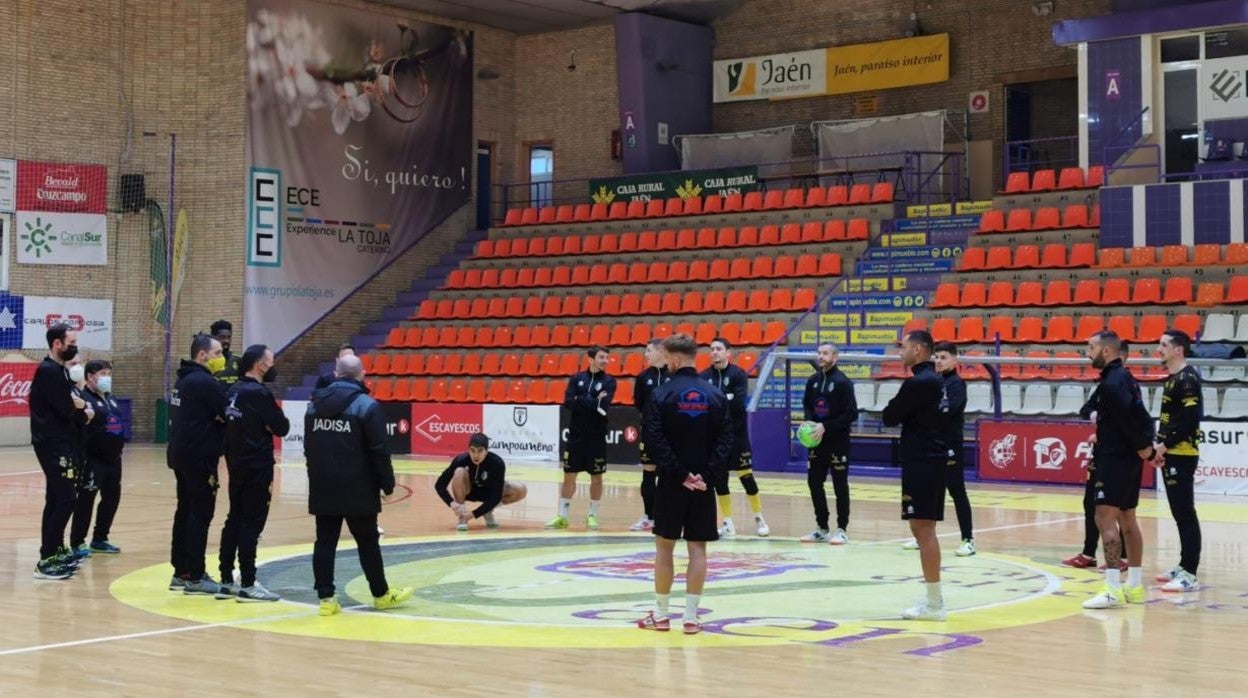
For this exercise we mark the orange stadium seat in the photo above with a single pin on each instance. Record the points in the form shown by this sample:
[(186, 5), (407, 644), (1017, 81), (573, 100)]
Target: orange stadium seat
[(1208, 295), (859, 229), (1143, 257), (1151, 328), (838, 195), (999, 257), (419, 389), (1070, 178), (1028, 294), (771, 201), (1237, 290), (1178, 291), (582, 213), (970, 330), (513, 217), (1087, 292), (943, 329), (860, 194), (1000, 293), (546, 215), (973, 259), (882, 193), (1047, 218), (1017, 183), (974, 295), (1189, 323), (1002, 325), (1096, 176), (1236, 254), (1060, 329), (711, 204), (992, 221), (565, 214), (705, 239), (1044, 180), (1116, 292), (693, 206), (1074, 216), (1030, 330), (816, 197), (674, 206), (794, 198), (1174, 255), (1088, 325), (1206, 255), (1019, 220), (1112, 258), (946, 296), (686, 239), (636, 209), (1053, 256)]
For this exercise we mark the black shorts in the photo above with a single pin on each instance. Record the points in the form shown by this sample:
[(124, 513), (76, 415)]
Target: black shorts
[(682, 513), (1118, 482), (923, 490), (586, 458), (833, 458), (741, 460), (642, 455)]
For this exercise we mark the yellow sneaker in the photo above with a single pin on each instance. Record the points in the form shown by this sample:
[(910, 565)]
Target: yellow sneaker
[(558, 522), (1136, 594), (392, 598), (330, 607)]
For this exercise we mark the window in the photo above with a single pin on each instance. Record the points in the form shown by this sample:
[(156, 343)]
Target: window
[(1180, 48), (541, 174)]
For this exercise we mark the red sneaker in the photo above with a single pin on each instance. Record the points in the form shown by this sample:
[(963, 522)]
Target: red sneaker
[(1122, 566), (1079, 561), (650, 622), (693, 627)]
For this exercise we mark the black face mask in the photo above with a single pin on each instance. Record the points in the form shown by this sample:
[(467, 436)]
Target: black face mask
[(69, 352), (270, 376)]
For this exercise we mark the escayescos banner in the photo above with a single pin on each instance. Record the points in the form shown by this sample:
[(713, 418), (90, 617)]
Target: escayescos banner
[(623, 434), (440, 429), (1221, 468), (1049, 452), (530, 432)]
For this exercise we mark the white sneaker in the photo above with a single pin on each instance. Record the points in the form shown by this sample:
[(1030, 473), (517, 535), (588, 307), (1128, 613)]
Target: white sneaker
[(819, 535), (967, 548), (1168, 575), (380, 531), (839, 538), (924, 611), (761, 527), (645, 523), (1107, 598), (911, 544), (461, 526), (1183, 581), (728, 530), (490, 522)]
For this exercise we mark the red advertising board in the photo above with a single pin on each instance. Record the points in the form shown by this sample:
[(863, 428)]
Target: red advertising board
[(15, 379), (1049, 452), (62, 187), (443, 430)]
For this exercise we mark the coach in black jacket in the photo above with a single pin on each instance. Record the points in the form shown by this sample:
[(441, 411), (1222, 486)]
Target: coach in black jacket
[(196, 429), (348, 458), (923, 450), (105, 439), (252, 419), (829, 402), (644, 385)]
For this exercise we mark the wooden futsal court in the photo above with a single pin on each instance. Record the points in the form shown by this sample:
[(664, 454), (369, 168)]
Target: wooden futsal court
[(479, 628)]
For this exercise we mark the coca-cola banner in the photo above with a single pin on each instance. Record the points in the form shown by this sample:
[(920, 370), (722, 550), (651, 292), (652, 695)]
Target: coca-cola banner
[(1050, 452), (62, 187), (91, 318), (443, 430), (15, 378)]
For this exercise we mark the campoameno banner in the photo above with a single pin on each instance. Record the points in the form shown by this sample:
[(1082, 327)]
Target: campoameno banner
[(359, 141), (671, 185)]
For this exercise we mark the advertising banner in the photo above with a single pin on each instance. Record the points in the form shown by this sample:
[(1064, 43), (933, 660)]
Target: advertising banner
[(8, 185), (15, 379), (398, 426), (1049, 452), (358, 141), (12, 326), (837, 70), (443, 429), (530, 432), (61, 238), (623, 433), (91, 318), (670, 185), (1225, 92), (295, 411), (62, 187), (1222, 468)]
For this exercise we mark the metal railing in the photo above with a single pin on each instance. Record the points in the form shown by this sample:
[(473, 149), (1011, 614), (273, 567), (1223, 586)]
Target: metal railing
[(1039, 154)]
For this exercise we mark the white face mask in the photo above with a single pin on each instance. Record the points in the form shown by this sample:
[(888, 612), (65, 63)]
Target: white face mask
[(76, 373), (105, 384)]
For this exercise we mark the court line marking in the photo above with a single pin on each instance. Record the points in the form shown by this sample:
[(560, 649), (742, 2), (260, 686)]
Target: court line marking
[(24, 472), (310, 612), (982, 530)]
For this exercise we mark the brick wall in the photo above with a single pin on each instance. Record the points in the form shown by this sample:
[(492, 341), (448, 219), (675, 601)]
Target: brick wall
[(988, 38)]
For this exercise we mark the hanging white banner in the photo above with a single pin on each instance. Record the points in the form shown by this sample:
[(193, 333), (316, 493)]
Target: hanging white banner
[(62, 238), (530, 432), (91, 318), (1225, 92)]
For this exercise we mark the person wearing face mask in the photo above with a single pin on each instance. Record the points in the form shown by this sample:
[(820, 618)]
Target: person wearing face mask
[(105, 439), (54, 410), (252, 419), (223, 332), (196, 429)]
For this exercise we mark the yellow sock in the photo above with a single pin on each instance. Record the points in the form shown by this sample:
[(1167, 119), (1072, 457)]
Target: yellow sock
[(725, 505), (756, 503)]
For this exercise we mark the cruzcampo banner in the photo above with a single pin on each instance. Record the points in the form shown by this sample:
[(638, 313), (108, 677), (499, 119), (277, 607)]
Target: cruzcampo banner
[(359, 142), (671, 185)]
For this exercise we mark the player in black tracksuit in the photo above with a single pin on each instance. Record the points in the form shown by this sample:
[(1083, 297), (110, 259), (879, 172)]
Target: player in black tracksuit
[(923, 450), (643, 386), (953, 407), (349, 467), (1178, 450), (829, 401), (588, 398), (54, 411), (105, 439), (477, 476), (733, 382), (688, 430), (196, 431), (1124, 436), (252, 419)]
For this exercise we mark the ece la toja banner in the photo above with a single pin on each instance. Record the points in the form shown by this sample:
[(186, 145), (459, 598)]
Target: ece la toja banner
[(91, 318), (62, 187), (1051, 452), (836, 70), (672, 185), (359, 141), (62, 238), (529, 432)]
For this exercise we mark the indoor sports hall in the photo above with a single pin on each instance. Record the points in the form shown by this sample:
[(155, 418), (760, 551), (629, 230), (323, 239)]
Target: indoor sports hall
[(1013, 228)]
